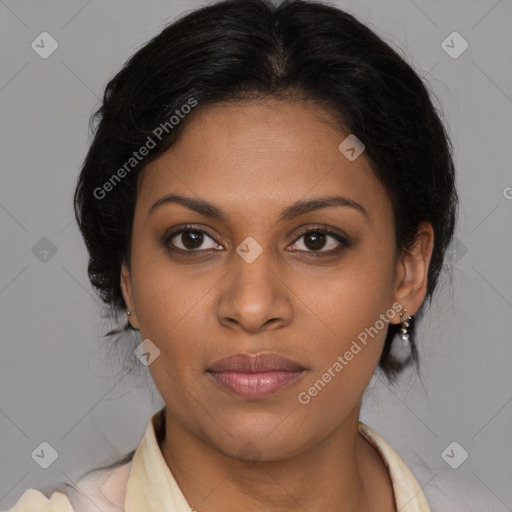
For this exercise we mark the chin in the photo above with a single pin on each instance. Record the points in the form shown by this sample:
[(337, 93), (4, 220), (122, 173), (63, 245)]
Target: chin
[(262, 437)]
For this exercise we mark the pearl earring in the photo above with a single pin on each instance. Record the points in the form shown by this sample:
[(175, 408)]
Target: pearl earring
[(401, 349)]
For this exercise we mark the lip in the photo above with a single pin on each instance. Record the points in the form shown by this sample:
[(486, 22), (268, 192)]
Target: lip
[(254, 376)]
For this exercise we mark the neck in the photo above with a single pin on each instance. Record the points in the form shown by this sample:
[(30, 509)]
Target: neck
[(329, 475)]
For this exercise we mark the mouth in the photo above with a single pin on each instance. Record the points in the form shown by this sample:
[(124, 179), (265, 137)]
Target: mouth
[(254, 376)]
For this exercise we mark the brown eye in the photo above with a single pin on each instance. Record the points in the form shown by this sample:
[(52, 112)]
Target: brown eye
[(190, 240), (321, 242), (314, 240)]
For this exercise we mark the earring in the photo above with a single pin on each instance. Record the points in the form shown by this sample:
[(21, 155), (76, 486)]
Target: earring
[(401, 349), (404, 335), (128, 313)]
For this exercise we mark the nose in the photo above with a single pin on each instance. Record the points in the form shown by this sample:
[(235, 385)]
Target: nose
[(254, 296)]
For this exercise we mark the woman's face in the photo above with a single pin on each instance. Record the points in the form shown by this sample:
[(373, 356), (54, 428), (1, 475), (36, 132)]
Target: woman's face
[(249, 281)]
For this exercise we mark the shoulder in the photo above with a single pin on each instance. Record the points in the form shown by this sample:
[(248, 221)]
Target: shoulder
[(33, 500), (102, 489)]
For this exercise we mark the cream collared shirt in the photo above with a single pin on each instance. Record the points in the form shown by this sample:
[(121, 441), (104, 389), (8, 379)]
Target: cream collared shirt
[(145, 484)]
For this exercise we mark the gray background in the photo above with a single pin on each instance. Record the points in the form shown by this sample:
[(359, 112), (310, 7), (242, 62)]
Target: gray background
[(58, 384)]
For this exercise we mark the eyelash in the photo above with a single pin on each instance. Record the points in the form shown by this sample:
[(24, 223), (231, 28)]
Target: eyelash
[(344, 241)]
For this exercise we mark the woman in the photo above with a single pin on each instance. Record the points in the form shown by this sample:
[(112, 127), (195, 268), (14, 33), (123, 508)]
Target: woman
[(269, 196)]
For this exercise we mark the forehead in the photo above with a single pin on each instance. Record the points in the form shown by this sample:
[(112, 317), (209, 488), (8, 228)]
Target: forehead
[(260, 155)]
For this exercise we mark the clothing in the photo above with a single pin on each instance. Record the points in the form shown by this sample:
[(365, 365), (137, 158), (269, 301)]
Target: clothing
[(146, 484)]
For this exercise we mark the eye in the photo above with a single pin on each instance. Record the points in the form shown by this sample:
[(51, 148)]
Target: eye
[(190, 239), (321, 240), (318, 241)]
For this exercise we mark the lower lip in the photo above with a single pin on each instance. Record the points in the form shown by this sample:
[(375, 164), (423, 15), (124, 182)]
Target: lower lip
[(255, 385)]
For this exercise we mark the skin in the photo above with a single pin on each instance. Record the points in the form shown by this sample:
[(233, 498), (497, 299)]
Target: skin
[(252, 159)]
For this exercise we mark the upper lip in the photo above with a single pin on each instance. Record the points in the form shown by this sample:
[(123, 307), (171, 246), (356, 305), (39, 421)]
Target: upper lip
[(254, 363)]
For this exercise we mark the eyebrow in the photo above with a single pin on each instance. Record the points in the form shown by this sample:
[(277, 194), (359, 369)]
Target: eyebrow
[(290, 212)]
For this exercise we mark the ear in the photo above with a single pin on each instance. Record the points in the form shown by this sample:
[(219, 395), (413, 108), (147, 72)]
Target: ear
[(126, 289), (412, 272)]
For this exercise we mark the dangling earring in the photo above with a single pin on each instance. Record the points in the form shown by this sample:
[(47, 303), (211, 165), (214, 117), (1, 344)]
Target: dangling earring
[(404, 335), (401, 349)]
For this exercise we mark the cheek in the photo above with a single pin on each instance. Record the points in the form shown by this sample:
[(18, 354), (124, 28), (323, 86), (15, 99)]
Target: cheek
[(163, 291), (167, 303), (353, 297), (349, 310), (348, 346)]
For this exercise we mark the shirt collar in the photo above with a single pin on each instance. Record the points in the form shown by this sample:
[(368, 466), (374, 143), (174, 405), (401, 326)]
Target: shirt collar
[(409, 496), (151, 486)]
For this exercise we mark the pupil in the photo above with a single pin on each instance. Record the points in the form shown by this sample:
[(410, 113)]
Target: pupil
[(317, 238), (192, 239)]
